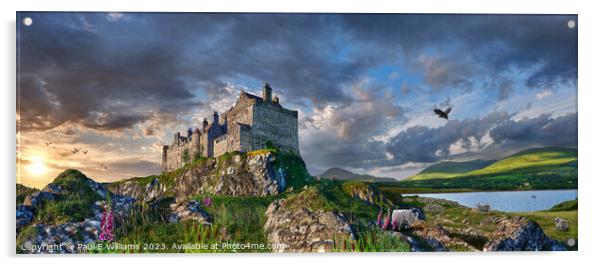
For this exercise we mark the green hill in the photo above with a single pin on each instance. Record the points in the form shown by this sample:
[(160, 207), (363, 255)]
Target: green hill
[(531, 158), (450, 169), (343, 174), (540, 168)]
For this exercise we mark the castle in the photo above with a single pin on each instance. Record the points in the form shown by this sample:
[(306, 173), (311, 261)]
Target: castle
[(251, 124)]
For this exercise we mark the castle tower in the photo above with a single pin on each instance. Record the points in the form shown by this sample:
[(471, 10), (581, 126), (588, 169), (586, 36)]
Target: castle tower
[(164, 158), (267, 93), (205, 123), (196, 142), (215, 118)]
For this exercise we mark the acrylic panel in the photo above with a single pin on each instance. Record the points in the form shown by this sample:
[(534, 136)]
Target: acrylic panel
[(293, 132)]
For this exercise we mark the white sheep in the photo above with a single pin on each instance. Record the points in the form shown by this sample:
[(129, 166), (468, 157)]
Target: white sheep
[(404, 218), (561, 224)]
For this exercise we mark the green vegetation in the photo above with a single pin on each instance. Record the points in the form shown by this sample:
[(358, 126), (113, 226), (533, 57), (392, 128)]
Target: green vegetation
[(542, 168), (186, 155), (235, 220), (342, 174), (372, 239), (296, 174), (450, 169), (545, 219), (24, 191), (72, 206), (565, 206)]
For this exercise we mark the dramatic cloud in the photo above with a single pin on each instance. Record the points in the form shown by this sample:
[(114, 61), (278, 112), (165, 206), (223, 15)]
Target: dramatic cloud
[(120, 84)]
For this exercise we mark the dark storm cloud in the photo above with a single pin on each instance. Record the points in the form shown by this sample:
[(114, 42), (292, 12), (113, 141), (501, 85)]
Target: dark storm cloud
[(426, 145), (70, 72), (422, 144), (75, 66), (494, 42), (543, 130)]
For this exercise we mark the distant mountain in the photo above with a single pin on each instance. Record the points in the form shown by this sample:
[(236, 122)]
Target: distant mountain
[(527, 160), (451, 169), (343, 174)]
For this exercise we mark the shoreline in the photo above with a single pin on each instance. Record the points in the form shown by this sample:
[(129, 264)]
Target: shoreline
[(459, 190)]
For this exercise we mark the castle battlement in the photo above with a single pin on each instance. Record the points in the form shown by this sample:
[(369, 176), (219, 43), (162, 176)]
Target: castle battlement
[(248, 125)]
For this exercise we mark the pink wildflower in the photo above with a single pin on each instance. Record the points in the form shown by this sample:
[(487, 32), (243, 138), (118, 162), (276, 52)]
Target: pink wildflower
[(106, 222), (379, 218), (207, 202), (387, 223)]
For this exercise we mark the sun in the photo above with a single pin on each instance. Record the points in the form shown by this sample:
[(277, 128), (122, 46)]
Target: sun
[(37, 167)]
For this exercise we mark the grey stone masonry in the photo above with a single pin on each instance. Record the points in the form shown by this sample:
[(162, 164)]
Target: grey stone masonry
[(250, 124)]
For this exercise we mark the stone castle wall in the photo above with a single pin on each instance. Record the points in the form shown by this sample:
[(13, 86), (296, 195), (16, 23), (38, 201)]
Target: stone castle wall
[(278, 125), (247, 126), (175, 154)]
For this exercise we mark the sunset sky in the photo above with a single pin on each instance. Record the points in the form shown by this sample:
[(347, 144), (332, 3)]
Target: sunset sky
[(102, 92)]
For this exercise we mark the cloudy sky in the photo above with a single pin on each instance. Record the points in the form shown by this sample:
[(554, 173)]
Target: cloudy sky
[(102, 92)]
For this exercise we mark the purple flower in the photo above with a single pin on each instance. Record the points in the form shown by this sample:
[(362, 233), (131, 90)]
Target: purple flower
[(387, 223), (395, 225), (207, 202), (106, 222), (379, 218)]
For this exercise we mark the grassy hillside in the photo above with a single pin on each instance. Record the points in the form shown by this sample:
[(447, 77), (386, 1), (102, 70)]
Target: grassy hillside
[(343, 174), (451, 169), (531, 158), (541, 168)]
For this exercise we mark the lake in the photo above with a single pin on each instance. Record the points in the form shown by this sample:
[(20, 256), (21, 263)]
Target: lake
[(509, 201)]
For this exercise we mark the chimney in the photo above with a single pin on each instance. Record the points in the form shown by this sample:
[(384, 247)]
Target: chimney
[(267, 93)]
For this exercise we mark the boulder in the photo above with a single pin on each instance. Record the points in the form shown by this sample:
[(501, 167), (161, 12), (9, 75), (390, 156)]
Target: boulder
[(483, 207), (140, 191), (437, 237), (188, 210), (362, 190), (24, 216), (520, 234), (305, 230), (38, 198)]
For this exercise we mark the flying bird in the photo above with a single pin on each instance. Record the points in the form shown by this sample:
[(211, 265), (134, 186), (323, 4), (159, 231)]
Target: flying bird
[(47, 143), (75, 150), (85, 152), (442, 114)]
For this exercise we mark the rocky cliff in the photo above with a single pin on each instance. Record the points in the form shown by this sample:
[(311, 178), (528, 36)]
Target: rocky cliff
[(298, 224), (250, 174)]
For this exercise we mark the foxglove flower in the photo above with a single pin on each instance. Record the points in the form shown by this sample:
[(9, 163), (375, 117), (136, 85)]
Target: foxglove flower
[(379, 218), (106, 222), (387, 223), (207, 202)]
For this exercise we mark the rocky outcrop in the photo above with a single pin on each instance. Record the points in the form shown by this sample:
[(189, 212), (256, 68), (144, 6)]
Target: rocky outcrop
[(237, 175), (38, 198), (304, 230), (250, 174), (24, 216), (362, 190), (71, 185), (520, 234), (188, 210), (62, 238), (438, 238), (139, 190)]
